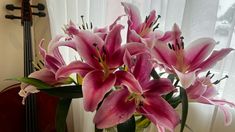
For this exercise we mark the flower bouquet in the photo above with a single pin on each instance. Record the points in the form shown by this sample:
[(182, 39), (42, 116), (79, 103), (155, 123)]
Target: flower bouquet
[(129, 84)]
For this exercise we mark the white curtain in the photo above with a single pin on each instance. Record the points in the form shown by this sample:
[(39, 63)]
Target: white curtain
[(197, 18)]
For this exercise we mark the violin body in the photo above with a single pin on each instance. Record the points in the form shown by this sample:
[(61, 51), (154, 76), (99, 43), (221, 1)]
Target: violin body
[(39, 112), (12, 111)]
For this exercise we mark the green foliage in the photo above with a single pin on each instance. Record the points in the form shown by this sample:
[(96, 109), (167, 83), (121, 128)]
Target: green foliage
[(61, 114)]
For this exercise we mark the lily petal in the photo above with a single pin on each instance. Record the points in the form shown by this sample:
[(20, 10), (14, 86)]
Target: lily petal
[(52, 63), (186, 79), (196, 90), (74, 67), (159, 112), (143, 68), (227, 115), (134, 15), (113, 39), (95, 86), (199, 50), (160, 128), (135, 48), (158, 87), (214, 58), (42, 51), (115, 109), (164, 55), (127, 79), (87, 45), (54, 50)]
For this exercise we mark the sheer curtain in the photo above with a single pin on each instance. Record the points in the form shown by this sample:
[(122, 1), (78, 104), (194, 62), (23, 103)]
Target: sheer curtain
[(197, 18)]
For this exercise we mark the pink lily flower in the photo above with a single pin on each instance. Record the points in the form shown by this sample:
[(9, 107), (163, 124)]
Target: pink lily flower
[(187, 62), (100, 59), (204, 91), (138, 95), (139, 31), (52, 62)]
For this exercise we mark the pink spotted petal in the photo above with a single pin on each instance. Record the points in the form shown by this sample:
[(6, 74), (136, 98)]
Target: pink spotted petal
[(115, 22), (114, 110), (186, 79), (95, 86), (167, 36), (74, 67), (113, 39), (158, 111), (133, 36), (134, 15), (52, 63), (53, 49), (158, 87), (127, 79), (88, 44), (220, 104), (116, 59), (135, 48), (71, 28), (173, 35), (101, 32), (164, 55), (151, 19), (42, 51), (176, 33), (127, 59), (227, 115), (198, 51), (224, 102), (210, 92), (44, 75), (143, 68), (196, 90), (214, 58)]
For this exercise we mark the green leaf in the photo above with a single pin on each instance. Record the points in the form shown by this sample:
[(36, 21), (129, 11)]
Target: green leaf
[(143, 122), (32, 81), (128, 126), (184, 101), (61, 114), (154, 74), (73, 91), (171, 77)]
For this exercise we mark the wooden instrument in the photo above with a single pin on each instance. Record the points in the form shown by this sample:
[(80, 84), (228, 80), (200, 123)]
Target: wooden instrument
[(38, 114)]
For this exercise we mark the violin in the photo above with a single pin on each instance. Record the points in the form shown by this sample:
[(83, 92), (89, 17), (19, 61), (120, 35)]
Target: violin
[(38, 113)]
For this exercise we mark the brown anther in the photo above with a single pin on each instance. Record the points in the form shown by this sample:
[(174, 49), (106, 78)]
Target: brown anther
[(169, 45), (87, 26), (151, 24), (212, 76), (218, 81), (156, 27), (104, 50), (83, 27), (95, 44), (91, 26), (173, 47), (182, 45), (208, 73)]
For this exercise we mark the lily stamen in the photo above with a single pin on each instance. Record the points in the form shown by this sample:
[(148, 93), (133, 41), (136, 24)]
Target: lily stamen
[(218, 81), (169, 45)]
